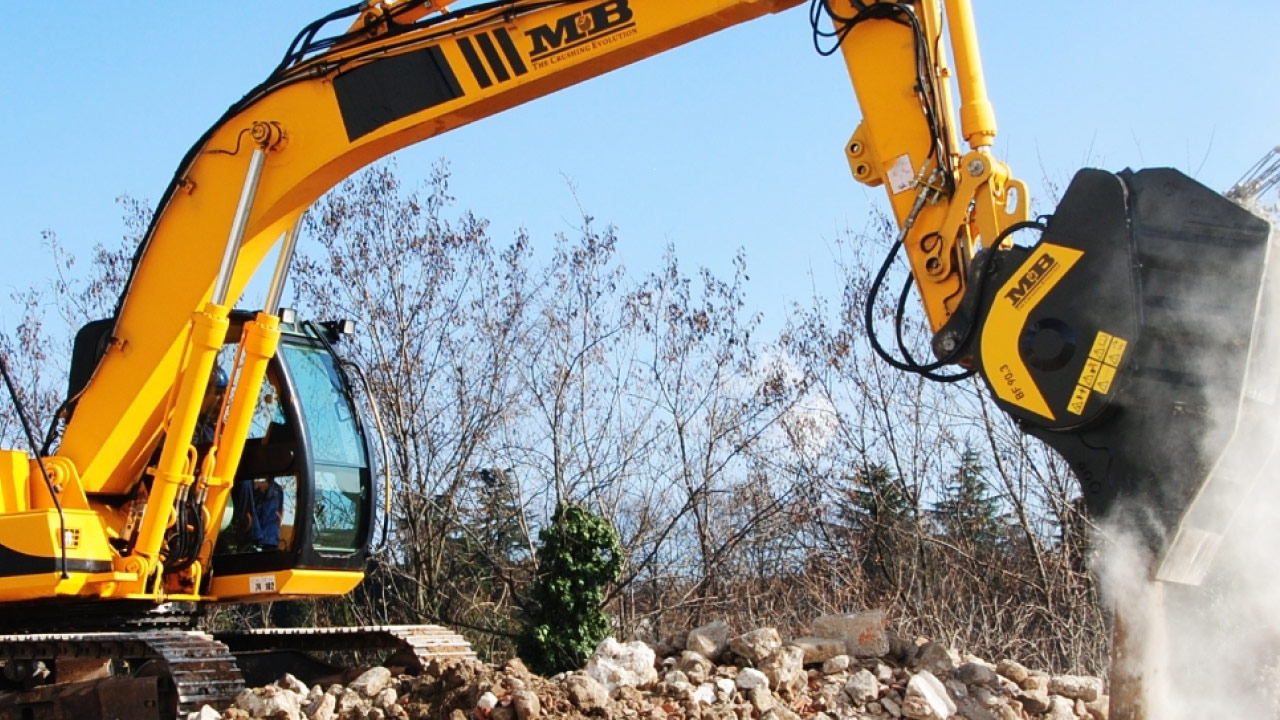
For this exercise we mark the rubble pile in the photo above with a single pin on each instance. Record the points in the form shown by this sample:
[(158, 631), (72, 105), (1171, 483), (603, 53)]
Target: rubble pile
[(850, 668)]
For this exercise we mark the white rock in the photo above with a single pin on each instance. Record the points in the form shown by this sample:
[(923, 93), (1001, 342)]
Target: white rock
[(291, 683), (314, 698), (725, 687), (757, 644), (837, 664), (371, 682), (696, 667), (385, 699), (749, 678), (704, 694), (761, 699), (351, 701), (785, 669), (1061, 709), (269, 702), (926, 698), (325, 709), (709, 641), (1035, 697), (1012, 670), (204, 713), (487, 701), (615, 665), (862, 687)]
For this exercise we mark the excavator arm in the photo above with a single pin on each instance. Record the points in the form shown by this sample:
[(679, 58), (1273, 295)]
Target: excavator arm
[(1068, 334), (404, 72)]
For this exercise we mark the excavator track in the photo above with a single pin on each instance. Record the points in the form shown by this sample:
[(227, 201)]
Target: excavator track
[(267, 652), (166, 674), (189, 669)]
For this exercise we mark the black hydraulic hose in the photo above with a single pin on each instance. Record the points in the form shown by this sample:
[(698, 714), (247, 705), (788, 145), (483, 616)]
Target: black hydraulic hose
[(35, 451)]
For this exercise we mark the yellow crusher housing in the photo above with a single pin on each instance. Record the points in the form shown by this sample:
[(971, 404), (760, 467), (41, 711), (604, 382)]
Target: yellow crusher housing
[(1094, 338)]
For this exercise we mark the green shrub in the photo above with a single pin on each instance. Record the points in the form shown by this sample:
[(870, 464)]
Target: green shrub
[(578, 557)]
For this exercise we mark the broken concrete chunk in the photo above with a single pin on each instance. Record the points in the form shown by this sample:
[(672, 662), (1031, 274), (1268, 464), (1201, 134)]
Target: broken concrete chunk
[(586, 692), (862, 688), (756, 645), (709, 641), (975, 674), (785, 670), (371, 682), (615, 664), (865, 634), (1076, 687), (819, 650), (1012, 670), (937, 658), (837, 664), (926, 698), (750, 679)]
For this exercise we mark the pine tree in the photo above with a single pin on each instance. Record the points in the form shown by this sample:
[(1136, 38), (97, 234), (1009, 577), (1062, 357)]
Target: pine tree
[(879, 515), (968, 514)]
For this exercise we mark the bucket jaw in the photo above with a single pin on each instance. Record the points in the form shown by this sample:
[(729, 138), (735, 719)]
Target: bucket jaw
[(1129, 339)]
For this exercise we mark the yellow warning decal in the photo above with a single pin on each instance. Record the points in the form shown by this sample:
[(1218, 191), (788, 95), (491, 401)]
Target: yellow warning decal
[(1100, 345), (1078, 400), (1099, 370), (1115, 351), (1106, 374), (1090, 373)]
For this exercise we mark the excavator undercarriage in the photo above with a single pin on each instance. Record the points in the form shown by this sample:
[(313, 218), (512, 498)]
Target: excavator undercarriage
[(165, 673)]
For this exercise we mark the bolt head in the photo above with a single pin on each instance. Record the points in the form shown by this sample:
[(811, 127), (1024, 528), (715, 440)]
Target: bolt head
[(977, 167)]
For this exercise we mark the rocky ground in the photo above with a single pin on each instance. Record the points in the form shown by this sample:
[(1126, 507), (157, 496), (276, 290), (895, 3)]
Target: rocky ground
[(852, 668)]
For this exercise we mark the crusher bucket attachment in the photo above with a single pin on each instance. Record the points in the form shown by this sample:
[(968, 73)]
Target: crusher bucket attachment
[(1128, 339)]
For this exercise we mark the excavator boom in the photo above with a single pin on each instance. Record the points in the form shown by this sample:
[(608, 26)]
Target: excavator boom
[(1123, 338)]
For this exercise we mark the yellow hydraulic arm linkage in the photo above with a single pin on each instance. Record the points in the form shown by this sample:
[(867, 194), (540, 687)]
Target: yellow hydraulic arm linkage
[(1072, 336)]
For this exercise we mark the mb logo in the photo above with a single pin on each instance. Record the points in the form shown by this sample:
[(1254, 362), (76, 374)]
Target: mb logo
[(1031, 279), (572, 30)]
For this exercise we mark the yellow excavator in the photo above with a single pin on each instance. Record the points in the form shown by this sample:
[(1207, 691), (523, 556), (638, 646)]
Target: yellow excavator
[(184, 418)]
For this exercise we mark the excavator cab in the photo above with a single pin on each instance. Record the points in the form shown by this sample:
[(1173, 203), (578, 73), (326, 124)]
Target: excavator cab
[(302, 498), (300, 517)]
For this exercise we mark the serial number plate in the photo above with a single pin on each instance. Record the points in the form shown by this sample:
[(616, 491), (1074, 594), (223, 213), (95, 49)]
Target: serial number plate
[(262, 583)]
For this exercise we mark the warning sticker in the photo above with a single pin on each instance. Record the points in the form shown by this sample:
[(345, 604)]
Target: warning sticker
[(1100, 345), (1115, 351), (1100, 369), (1090, 373), (901, 175), (1078, 400), (1106, 374)]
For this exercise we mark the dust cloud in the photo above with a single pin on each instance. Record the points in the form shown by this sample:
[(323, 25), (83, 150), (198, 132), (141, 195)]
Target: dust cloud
[(1211, 650)]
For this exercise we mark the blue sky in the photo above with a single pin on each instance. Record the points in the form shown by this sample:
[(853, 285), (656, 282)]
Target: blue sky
[(734, 141)]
